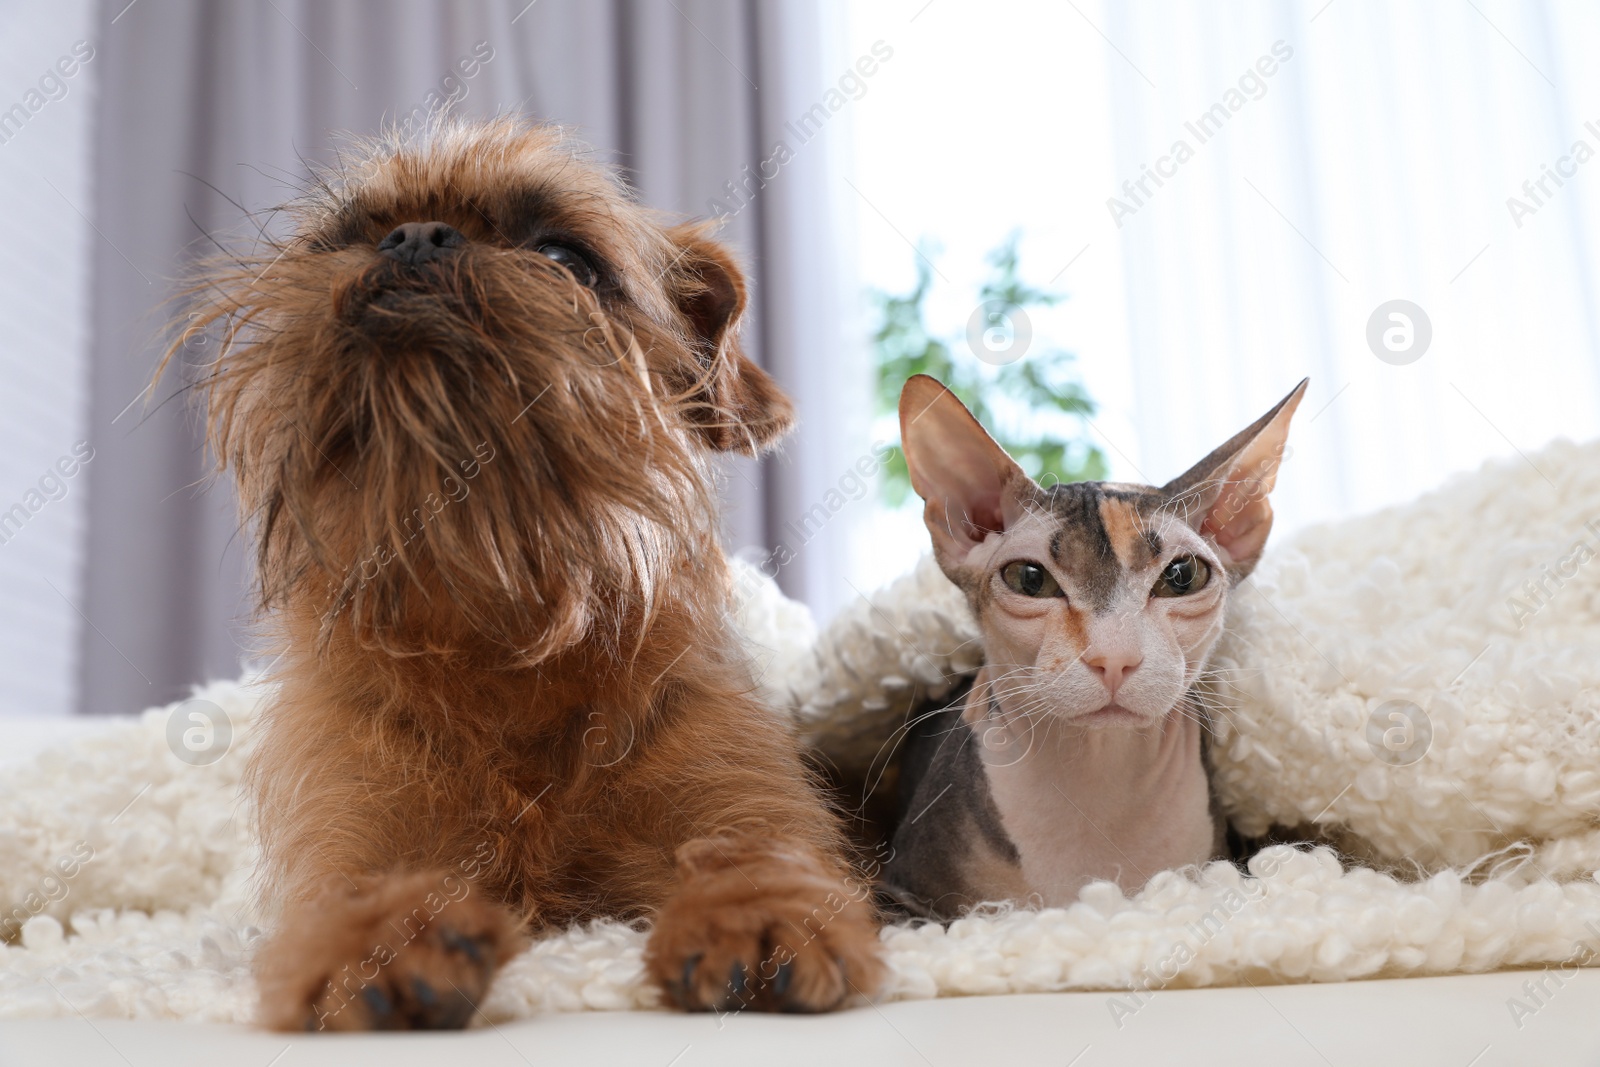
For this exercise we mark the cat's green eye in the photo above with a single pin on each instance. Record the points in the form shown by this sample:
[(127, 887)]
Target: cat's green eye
[(1184, 575), (1029, 579)]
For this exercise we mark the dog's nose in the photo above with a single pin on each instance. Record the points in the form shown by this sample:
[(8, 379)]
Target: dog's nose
[(415, 243)]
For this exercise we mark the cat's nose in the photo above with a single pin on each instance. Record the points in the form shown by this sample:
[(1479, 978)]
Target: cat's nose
[(1112, 667)]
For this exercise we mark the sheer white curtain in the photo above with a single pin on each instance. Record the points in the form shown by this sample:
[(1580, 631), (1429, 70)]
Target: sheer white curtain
[(1227, 193), (1374, 163), (46, 108)]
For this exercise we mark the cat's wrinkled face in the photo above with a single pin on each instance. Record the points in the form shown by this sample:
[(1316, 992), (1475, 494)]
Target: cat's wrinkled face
[(1099, 606), (1099, 601)]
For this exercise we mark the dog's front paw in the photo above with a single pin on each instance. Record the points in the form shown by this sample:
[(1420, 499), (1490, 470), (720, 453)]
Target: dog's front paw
[(402, 952), (762, 927)]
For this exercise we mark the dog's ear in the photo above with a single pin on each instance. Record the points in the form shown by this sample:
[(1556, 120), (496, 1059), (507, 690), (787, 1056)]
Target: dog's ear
[(740, 408)]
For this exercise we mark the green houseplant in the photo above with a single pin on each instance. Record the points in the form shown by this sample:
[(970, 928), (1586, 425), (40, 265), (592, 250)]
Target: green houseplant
[(1028, 397)]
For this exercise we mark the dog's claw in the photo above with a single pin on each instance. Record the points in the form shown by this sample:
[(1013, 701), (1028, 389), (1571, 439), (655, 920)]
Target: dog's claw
[(433, 1013), (685, 990), (782, 980), (463, 944), (382, 1007)]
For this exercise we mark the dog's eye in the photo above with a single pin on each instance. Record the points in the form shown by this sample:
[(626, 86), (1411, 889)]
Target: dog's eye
[(1029, 579), (572, 259), (1184, 575)]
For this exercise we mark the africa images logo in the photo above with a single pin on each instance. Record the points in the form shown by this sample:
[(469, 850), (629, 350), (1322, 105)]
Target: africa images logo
[(52, 86), (1252, 85)]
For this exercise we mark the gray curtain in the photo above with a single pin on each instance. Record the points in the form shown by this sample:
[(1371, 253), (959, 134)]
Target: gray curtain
[(206, 108)]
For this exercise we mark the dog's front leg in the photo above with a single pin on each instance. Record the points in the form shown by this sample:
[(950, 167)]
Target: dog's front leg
[(412, 951), (763, 923)]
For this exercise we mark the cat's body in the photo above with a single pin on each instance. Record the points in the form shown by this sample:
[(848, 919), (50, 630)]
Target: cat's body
[(1089, 804), (1078, 753)]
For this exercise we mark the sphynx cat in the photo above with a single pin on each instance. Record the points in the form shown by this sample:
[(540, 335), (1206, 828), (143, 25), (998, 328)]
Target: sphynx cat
[(1079, 751)]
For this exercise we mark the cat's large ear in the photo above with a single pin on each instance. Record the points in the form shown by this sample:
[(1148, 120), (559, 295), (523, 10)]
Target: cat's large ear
[(971, 486), (1224, 496)]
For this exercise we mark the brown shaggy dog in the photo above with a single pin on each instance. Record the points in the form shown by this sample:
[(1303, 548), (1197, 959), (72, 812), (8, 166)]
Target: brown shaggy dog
[(470, 406)]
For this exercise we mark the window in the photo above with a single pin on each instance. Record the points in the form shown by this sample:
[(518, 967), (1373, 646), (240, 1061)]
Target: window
[(45, 128)]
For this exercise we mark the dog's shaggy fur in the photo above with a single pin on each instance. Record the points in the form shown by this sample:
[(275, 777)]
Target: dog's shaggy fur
[(481, 494)]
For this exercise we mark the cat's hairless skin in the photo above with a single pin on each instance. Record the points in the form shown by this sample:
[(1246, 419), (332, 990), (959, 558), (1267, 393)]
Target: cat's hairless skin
[(1078, 753)]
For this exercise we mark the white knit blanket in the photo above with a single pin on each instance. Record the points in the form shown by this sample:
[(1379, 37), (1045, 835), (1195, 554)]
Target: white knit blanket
[(127, 868)]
